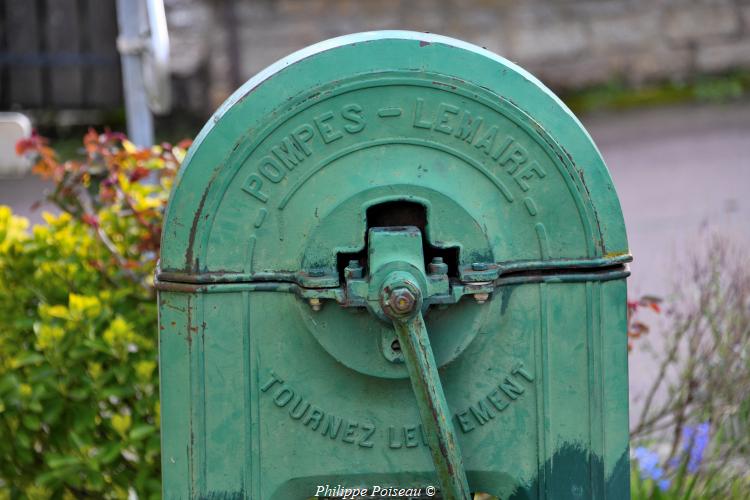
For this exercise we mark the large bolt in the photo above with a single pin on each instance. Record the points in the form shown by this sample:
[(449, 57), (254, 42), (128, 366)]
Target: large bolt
[(481, 298), (402, 301), (437, 266), (353, 270)]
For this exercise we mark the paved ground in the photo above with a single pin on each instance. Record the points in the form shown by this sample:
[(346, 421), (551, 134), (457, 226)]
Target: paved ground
[(679, 172), (23, 193)]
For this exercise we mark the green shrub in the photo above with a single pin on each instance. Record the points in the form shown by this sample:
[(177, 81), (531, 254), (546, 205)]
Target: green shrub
[(79, 407)]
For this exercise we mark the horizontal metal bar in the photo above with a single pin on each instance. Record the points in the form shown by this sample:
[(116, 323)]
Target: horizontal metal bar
[(294, 277), (534, 265), (570, 276), (226, 277)]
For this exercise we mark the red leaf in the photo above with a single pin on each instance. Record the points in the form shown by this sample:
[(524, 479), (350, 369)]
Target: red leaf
[(638, 328), (91, 220), (138, 174), (33, 143)]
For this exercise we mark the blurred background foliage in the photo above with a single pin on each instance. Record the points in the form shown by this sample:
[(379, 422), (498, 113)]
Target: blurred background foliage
[(619, 95), (691, 436), (79, 405)]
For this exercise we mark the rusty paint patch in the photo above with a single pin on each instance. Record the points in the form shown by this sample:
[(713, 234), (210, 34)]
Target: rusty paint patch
[(193, 229), (593, 209), (189, 322), (442, 84)]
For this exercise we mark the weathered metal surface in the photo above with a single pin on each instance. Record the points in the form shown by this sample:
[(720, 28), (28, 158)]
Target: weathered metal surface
[(401, 300), (492, 272), (278, 369), (436, 417)]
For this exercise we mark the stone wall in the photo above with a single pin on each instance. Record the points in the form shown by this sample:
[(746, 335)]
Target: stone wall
[(568, 44)]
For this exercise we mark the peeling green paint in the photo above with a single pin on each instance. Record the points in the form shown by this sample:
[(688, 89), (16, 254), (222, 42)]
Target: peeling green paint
[(574, 472)]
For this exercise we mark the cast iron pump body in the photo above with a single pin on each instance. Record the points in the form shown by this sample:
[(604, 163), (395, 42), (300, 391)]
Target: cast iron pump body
[(394, 259)]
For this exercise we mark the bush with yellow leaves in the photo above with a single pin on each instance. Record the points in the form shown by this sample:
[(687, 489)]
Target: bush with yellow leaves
[(79, 407)]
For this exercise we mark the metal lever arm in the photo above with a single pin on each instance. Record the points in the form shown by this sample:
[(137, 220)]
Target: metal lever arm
[(400, 298), (433, 408)]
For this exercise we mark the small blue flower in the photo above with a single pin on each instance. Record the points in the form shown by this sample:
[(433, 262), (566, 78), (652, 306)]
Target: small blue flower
[(694, 442), (664, 484), (648, 463)]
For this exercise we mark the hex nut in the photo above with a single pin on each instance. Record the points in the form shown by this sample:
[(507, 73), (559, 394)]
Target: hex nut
[(402, 301)]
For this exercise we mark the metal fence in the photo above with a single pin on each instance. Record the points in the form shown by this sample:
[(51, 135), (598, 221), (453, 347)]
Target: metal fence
[(59, 54)]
